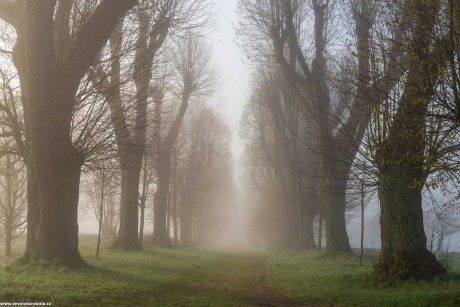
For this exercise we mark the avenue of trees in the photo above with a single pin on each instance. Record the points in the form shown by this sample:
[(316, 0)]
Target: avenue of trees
[(110, 96), (105, 103), (344, 91)]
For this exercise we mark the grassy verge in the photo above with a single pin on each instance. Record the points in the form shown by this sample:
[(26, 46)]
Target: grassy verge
[(182, 277), (316, 278), (152, 277)]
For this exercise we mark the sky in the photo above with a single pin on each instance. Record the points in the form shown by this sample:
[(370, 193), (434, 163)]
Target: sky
[(234, 89), (230, 100)]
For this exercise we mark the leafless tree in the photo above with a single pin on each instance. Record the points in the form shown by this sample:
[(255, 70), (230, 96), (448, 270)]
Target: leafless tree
[(194, 75), (13, 202), (207, 138)]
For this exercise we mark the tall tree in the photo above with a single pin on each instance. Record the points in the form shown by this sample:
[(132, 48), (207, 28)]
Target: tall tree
[(153, 22), (401, 155), (51, 58), (208, 139), (194, 75)]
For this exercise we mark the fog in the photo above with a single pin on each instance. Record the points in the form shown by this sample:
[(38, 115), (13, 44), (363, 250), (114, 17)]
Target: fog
[(236, 207)]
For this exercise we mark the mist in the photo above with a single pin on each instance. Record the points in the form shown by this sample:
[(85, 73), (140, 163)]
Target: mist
[(241, 152)]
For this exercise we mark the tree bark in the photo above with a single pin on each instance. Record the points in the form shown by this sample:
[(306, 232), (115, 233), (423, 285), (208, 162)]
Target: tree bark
[(186, 217), (101, 212), (309, 235), (129, 203), (33, 213), (141, 226), (334, 207), (8, 237), (362, 223), (404, 253), (160, 236), (176, 234), (320, 229)]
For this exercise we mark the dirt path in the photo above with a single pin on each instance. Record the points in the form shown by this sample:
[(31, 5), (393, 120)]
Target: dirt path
[(258, 291), (242, 280)]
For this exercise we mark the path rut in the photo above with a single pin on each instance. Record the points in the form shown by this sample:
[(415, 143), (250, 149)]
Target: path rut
[(242, 280)]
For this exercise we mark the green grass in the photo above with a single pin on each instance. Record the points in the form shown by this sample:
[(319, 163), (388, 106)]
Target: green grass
[(185, 277), (310, 277), (151, 277)]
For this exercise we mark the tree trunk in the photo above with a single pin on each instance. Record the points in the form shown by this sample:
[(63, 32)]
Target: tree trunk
[(8, 237), (68, 197), (101, 213), (160, 236), (168, 216), (336, 230), (56, 233), (186, 226), (141, 227), (362, 223), (129, 213), (309, 235), (176, 234), (404, 253), (320, 230), (33, 212)]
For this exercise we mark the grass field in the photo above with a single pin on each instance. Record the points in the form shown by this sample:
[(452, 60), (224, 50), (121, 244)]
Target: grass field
[(160, 277)]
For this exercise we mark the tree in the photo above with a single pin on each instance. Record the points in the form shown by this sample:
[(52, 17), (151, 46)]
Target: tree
[(207, 145), (100, 187), (284, 138), (153, 23), (194, 75), (401, 154), (51, 57), (13, 203)]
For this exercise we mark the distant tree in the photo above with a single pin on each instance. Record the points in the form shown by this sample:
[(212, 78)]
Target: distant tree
[(13, 201), (100, 186), (208, 139), (283, 136), (194, 75)]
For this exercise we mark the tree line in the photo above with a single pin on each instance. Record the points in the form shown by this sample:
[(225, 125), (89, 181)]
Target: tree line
[(105, 103), (345, 92)]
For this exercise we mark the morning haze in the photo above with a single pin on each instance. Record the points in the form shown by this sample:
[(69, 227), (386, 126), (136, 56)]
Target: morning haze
[(244, 152)]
